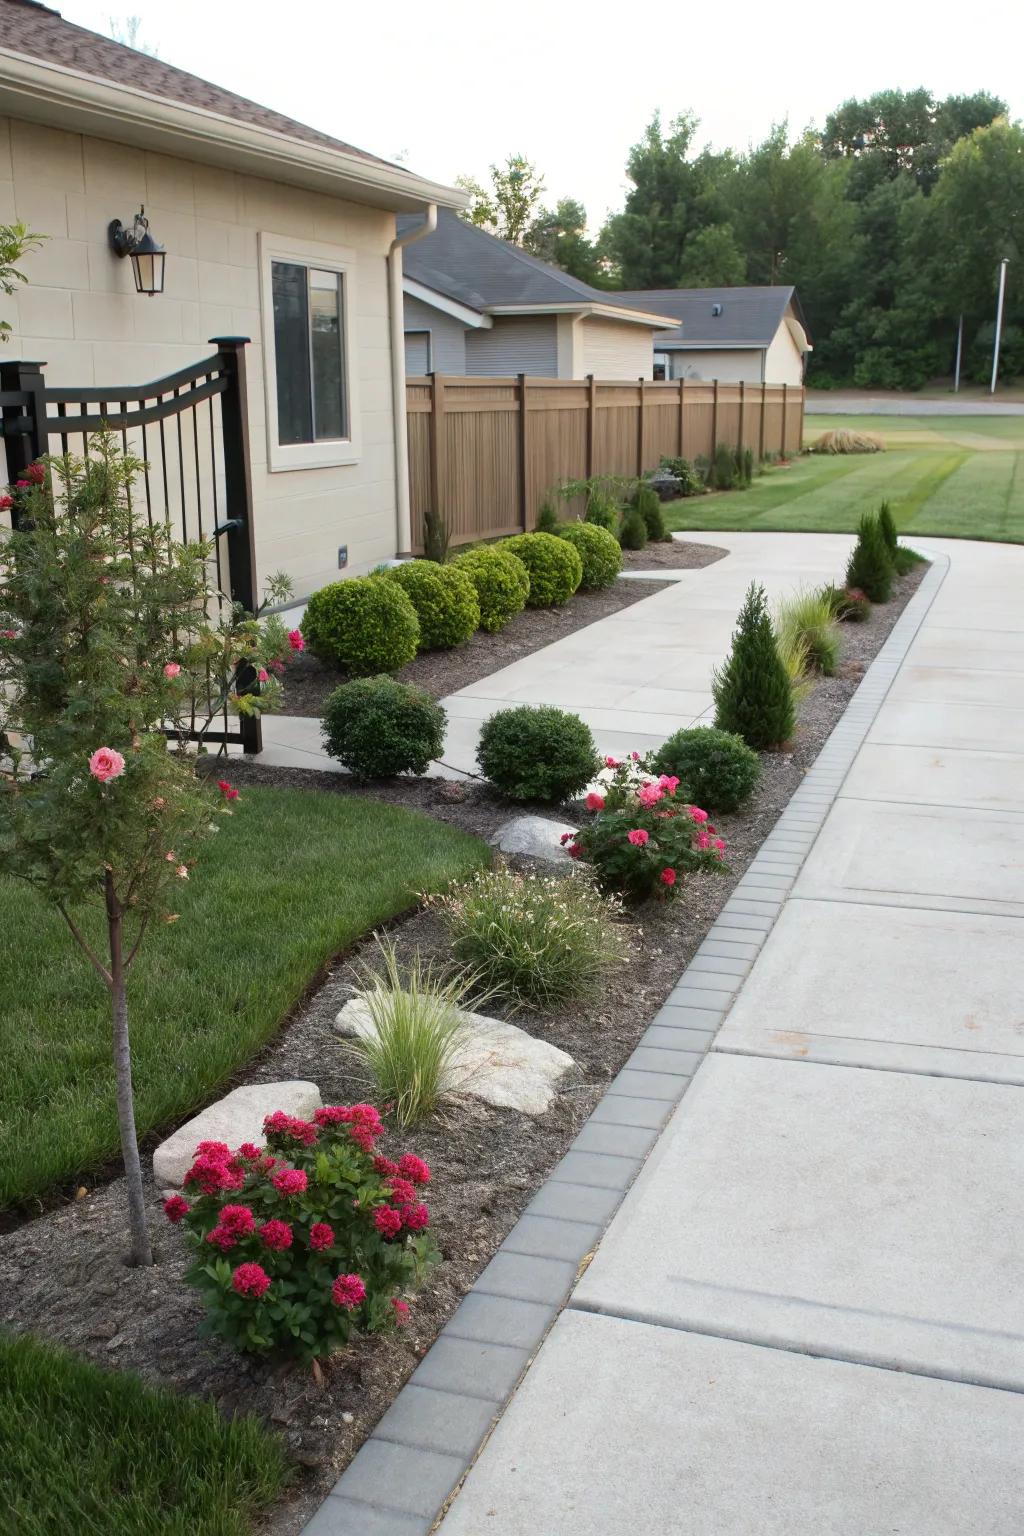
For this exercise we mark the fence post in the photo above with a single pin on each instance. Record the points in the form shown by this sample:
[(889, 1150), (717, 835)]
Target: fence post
[(640, 428), (524, 500), (437, 444), (743, 401), (760, 425), (800, 422), (24, 447), (238, 506), (591, 421), (782, 448), (714, 418), (682, 417)]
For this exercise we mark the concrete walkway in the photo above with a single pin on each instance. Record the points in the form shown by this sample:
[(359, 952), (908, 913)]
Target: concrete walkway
[(635, 676), (808, 1316)]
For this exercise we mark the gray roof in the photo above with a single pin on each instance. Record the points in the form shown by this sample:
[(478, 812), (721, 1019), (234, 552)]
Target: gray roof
[(33, 29), (749, 316), (474, 268)]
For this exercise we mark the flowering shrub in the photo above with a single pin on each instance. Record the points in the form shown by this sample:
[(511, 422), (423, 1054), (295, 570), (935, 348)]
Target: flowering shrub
[(298, 1247), (643, 839)]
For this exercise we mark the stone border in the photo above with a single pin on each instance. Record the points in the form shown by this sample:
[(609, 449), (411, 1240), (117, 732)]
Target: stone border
[(401, 1478)]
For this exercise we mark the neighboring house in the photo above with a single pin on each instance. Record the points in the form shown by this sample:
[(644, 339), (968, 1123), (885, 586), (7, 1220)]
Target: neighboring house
[(273, 231), (478, 305), (754, 334)]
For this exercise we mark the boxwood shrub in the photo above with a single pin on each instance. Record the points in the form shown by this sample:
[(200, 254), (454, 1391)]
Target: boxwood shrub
[(365, 624), (598, 549), (445, 601), (502, 583), (716, 769), (377, 727), (552, 564), (535, 752)]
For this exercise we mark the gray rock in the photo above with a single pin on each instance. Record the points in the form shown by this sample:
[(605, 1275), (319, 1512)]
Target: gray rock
[(234, 1119), (496, 1062), (534, 837)]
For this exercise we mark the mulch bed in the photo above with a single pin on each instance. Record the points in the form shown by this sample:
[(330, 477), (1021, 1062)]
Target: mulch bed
[(443, 672), (61, 1276)]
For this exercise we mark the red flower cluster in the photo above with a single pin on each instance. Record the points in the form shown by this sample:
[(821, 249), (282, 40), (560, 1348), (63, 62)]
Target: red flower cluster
[(363, 1121), (290, 1181), (226, 790), (215, 1169), (175, 1208), (250, 1280), (413, 1168), (321, 1235), (291, 1127), (276, 1234), (348, 1291)]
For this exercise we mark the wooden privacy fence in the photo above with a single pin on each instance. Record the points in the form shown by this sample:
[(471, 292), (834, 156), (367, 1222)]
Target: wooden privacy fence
[(485, 452)]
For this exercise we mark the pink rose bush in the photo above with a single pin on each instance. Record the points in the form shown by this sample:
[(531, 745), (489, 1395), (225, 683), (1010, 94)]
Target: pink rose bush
[(643, 838), (298, 1245)]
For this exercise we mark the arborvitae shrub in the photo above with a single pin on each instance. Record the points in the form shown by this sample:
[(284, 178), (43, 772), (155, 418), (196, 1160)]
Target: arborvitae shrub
[(648, 503), (871, 565), (722, 474), (633, 533), (887, 525), (752, 691), (547, 519), (603, 509)]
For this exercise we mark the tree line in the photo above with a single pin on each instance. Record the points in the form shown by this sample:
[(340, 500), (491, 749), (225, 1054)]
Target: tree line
[(891, 222)]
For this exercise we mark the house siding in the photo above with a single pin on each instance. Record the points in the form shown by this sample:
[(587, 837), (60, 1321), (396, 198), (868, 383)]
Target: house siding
[(611, 349), (80, 313), (728, 366), (447, 335), (784, 363), (515, 344)]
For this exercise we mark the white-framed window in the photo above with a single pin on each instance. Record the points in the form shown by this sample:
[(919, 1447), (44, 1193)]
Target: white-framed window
[(307, 304), (662, 366)]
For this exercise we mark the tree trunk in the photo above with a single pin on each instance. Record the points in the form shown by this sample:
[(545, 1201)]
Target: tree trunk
[(141, 1253)]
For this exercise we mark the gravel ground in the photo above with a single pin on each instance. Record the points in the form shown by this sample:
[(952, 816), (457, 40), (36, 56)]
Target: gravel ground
[(309, 681), (61, 1276)]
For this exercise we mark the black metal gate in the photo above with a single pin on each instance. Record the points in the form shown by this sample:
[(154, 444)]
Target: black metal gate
[(191, 429)]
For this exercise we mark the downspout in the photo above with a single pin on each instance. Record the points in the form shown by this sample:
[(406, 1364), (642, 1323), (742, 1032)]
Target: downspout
[(396, 305)]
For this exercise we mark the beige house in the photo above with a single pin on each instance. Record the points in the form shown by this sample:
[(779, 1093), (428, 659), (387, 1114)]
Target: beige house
[(756, 335), (272, 231), (476, 305)]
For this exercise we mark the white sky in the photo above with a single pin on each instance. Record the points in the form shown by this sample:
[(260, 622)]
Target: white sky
[(452, 85)]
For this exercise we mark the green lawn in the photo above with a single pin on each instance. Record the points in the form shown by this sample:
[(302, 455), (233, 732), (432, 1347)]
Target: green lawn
[(97, 1453), (955, 476), (293, 877)]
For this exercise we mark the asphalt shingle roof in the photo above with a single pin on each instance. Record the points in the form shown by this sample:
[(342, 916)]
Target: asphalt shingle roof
[(38, 31), (749, 316)]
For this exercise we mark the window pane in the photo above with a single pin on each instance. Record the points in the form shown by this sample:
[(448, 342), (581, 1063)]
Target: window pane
[(291, 353), (326, 317)]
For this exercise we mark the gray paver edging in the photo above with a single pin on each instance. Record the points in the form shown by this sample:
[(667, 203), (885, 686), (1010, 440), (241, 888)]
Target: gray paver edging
[(401, 1478)]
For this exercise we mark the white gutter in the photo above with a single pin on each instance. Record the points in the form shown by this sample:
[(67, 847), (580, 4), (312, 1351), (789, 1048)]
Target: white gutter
[(396, 307), (587, 309)]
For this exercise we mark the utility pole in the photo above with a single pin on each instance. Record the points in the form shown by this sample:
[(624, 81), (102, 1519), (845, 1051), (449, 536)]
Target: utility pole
[(959, 354), (999, 324)]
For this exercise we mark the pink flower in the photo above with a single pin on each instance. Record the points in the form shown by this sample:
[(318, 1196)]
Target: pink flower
[(332, 1114), (638, 837), (321, 1235), (402, 1190), (8, 634), (250, 1280), (218, 1149), (400, 1309), (226, 790), (221, 1238), (650, 794), (384, 1166), (574, 850), (106, 764), (348, 1291), (175, 1208), (170, 856), (413, 1168), (719, 843), (669, 783), (6, 502), (280, 1123), (237, 1219), (388, 1221), (611, 762), (36, 474), (697, 814), (250, 1152), (208, 1173), (23, 485), (415, 1217), (263, 676), (668, 877), (276, 1234), (635, 756), (172, 669), (594, 803), (182, 871), (703, 842), (290, 1181), (295, 640), (565, 837)]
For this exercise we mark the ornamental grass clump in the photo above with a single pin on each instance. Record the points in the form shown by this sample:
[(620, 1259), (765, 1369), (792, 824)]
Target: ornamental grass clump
[(531, 939), (644, 838), (716, 769), (871, 565), (752, 690), (537, 752), (298, 1246), (808, 616), (502, 584)]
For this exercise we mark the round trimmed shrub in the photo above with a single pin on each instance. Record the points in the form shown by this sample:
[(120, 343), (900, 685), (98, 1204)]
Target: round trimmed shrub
[(365, 624), (445, 601), (717, 770), (377, 727), (537, 753), (598, 549), (502, 584), (553, 566)]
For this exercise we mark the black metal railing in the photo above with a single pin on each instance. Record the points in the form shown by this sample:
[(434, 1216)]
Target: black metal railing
[(191, 431)]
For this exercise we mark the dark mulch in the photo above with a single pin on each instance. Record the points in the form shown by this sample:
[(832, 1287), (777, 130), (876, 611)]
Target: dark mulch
[(309, 681), (61, 1276)]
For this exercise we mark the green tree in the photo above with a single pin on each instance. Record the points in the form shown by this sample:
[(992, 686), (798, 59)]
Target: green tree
[(559, 235), (752, 691), (508, 206), (712, 259)]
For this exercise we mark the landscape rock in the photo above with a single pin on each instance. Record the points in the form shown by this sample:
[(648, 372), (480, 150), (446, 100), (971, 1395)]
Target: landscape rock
[(534, 837), (496, 1062), (236, 1118)]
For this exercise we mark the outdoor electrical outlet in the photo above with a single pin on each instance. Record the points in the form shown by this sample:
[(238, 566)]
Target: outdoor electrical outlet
[(342, 556)]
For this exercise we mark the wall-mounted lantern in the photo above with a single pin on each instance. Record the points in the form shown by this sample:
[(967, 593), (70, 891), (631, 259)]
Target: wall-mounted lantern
[(147, 257)]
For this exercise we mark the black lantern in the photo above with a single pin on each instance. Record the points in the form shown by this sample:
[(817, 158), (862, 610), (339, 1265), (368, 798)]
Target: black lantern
[(147, 257)]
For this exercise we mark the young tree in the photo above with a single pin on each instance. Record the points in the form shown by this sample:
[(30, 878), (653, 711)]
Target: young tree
[(752, 691), (15, 241), (559, 235), (508, 206), (105, 640)]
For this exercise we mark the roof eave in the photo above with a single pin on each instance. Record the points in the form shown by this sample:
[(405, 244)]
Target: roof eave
[(475, 319), (710, 346), (583, 308), (57, 96)]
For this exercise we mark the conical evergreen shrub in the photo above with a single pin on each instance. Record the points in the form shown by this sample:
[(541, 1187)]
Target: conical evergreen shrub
[(648, 504), (887, 526), (752, 691), (547, 519), (871, 564), (633, 533)]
